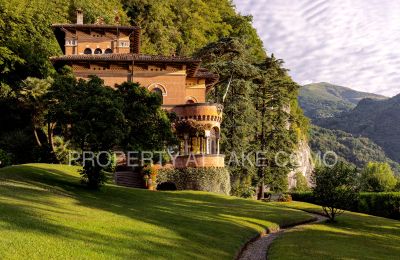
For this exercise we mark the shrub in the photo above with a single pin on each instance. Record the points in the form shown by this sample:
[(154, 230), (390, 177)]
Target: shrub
[(301, 183), (307, 196), (5, 159), (336, 188), (93, 174), (384, 204), (285, 198), (210, 179)]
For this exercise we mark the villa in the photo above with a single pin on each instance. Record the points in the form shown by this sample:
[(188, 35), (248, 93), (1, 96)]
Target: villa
[(112, 52)]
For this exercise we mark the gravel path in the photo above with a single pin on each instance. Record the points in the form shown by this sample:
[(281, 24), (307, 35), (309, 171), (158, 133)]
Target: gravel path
[(257, 249)]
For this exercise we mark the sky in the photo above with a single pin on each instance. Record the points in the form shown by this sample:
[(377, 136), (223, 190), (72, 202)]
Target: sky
[(352, 43)]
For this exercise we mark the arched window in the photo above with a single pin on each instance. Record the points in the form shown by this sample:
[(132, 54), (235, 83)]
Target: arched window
[(87, 51), (108, 51), (158, 92), (98, 51), (190, 100)]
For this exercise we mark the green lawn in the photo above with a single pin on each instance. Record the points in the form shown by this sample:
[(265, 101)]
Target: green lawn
[(45, 213), (355, 236)]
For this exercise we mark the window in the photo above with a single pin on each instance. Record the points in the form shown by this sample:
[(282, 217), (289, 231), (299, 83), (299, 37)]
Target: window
[(158, 92), (87, 51), (98, 51), (123, 44), (70, 42), (190, 101), (108, 51)]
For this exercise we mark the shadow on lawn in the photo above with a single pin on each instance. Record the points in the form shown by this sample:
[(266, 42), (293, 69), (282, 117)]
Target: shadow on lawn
[(196, 222)]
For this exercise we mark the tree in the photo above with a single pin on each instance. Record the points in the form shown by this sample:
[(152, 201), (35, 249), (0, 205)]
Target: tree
[(90, 115), (32, 96), (276, 126), (301, 183), (336, 188), (147, 125), (377, 177), (229, 58)]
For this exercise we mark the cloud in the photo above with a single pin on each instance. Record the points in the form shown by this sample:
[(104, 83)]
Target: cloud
[(351, 43)]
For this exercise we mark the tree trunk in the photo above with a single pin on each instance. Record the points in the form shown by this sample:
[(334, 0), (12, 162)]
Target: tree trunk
[(50, 128), (261, 191), (37, 137)]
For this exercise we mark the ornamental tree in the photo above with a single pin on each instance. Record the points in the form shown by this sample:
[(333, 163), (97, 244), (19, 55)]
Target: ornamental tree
[(336, 188)]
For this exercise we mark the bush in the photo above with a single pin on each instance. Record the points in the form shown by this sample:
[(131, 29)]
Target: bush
[(384, 204), (307, 196), (93, 174), (285, 198), (211, 179), (5, 159)]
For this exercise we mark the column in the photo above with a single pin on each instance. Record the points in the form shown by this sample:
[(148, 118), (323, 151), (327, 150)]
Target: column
[(186, 146)]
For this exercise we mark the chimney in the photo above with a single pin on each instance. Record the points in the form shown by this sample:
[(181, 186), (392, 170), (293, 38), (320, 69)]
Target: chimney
[(79, 16)]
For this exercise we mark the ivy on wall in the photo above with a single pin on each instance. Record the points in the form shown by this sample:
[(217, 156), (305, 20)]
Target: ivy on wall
[(211, 179)]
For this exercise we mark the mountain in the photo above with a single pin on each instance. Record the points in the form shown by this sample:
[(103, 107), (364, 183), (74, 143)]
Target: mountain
[(376, 119), (324, 100), (356, 150)]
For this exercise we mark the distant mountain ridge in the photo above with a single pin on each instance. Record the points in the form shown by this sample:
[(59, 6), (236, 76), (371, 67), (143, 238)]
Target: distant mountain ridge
[(324, 100)]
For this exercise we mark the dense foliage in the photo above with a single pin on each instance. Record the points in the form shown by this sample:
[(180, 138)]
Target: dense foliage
[(353, 149), (377, 177), (336, 188), (5, 159), (261, 115), (182, 27), (375, 119)]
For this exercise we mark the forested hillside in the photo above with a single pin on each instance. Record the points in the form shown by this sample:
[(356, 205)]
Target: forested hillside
[(375, 119), (354, 149)]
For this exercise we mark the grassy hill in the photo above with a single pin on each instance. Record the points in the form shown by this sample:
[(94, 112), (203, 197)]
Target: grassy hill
[(46, 214), (355, 236), (322, 100), (375, 119)]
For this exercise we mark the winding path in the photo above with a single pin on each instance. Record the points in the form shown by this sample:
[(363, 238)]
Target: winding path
[(257, 249)]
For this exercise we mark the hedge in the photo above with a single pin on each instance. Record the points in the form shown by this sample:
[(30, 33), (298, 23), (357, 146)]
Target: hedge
[(212, 179), (383, 204)]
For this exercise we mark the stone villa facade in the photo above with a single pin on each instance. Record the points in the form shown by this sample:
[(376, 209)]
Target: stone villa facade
[(112, 52)]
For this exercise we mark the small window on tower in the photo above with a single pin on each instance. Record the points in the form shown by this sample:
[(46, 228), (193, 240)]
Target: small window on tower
[(108, 51), (123, 44), (98, 51), (87, 51)]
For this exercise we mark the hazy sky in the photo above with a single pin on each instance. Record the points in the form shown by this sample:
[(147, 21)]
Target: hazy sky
[(353, 43)]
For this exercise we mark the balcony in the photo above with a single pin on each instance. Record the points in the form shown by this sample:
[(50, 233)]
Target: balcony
[(198, 129)]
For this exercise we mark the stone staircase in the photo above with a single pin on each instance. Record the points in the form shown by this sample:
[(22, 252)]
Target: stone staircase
[(125, 176)]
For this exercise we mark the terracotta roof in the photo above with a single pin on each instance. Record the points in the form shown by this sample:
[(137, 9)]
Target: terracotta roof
[(193, 69), (124, 57), (205, 73), (98, 26)]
